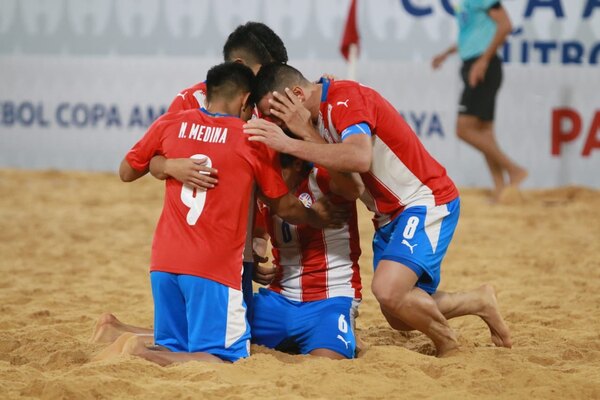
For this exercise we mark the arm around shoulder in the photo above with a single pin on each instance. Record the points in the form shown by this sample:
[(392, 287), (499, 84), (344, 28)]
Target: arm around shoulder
[(354, 154)]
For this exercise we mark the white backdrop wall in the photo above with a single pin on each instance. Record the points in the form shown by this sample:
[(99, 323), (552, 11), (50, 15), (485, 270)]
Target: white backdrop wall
[(80, 80)]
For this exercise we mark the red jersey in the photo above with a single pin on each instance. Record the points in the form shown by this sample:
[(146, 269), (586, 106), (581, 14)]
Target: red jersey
[(202, 233), (314, 264), (193, 98), (190, 98), (402, 172)]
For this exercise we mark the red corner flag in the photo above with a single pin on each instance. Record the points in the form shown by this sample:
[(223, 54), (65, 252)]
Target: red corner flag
[(350, 32)]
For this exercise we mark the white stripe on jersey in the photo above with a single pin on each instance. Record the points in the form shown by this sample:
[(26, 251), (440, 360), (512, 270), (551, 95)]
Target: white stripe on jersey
[(200, 97), (338, 263), (391, 172), (334, 134), (337, 252), (290, 259)]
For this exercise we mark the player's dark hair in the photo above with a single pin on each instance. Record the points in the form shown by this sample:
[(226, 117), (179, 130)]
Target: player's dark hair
[(228, 80), (257, 42), (275, 76), (286, 161)]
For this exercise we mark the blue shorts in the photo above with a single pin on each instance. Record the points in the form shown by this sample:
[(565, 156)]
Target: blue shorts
[(301, 327), (418, 238), (193, 314)]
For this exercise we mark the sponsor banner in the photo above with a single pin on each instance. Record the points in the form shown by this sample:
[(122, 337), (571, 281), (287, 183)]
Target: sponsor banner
[(545, 31), (85, 113)]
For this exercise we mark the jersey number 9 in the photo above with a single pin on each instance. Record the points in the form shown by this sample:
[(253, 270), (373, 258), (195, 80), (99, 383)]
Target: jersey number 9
[(194, 199)]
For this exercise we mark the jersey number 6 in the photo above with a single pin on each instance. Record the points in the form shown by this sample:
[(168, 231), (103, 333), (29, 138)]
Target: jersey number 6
[(194, 199)]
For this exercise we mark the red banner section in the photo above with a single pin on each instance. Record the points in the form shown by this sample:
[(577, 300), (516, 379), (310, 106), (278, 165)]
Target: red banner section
[(567, 126)]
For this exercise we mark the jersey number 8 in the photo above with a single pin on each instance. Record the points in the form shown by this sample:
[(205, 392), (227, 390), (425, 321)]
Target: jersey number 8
[(411, 227)]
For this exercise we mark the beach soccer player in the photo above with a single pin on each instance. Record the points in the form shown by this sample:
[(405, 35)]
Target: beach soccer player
[(348, 127), (314, 290), (199, 312), (252, 44)]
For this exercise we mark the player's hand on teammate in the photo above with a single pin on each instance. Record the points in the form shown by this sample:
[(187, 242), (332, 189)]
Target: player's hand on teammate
[(269, 133), (329, 215), (477, 72), (263, 274), (192, 172), (289, 108)]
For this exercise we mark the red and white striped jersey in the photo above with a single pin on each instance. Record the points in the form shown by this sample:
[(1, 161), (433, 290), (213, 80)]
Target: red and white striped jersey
[(314, 264), (402, 172)]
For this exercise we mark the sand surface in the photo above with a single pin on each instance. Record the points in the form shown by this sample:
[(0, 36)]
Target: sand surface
[(73, 245)]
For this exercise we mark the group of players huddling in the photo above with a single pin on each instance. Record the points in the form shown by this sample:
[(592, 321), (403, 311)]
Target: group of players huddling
[(258, 151)]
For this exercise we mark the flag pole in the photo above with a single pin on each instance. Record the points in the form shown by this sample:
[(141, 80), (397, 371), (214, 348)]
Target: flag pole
[(352, 61)]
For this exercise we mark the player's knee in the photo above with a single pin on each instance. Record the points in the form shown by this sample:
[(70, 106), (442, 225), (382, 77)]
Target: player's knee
[(387, 296), (465, 123)]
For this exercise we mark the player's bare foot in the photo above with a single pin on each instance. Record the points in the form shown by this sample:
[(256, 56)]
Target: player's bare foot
[(115, 349), (447, 349), (447, 342), (135, 346), (517, 176), (361, 345), (491, 316), (106, 329), (496, 194), (448, 352)]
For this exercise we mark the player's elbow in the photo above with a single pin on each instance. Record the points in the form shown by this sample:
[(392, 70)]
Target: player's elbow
[(362, 164), (127, 173), (505, 26), (126, 176)]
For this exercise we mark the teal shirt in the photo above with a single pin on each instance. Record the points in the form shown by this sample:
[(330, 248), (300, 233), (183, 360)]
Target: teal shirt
[(475, 27)]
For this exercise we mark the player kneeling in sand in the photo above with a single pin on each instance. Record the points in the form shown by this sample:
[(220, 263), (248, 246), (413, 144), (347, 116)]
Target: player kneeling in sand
[(314, 288), (349, 127), (199, 313)]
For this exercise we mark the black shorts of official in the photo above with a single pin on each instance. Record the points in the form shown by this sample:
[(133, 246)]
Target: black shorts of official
[(480, 101)]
